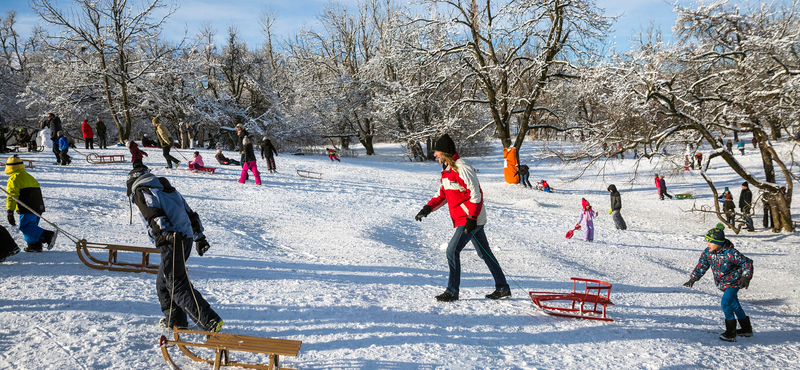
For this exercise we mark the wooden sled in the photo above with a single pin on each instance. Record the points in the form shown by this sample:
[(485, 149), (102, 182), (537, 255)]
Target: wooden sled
[(28, 163), (95, 158), (684, 196), (113, 263), (593, 293), (309, 174), (223, 344)]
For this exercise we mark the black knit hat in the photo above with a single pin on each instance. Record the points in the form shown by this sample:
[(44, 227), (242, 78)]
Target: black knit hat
[(138, 171), (745, 184), (445, 145)]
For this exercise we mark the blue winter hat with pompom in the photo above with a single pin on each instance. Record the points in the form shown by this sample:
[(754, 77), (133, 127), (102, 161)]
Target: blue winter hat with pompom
[(716, 235)]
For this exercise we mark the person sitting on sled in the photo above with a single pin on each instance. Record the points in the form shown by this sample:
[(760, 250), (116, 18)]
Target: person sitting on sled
[(545, 186), (732, 271), (197, 162), (332, 154), (224, 160), (587, 216)]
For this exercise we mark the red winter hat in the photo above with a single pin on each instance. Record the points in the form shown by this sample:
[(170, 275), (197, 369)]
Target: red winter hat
[(584, 203), (86, 121)]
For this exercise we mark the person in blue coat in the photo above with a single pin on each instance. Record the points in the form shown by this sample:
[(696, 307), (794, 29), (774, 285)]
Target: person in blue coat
[(63, 146), (172, 226), (732, 271)]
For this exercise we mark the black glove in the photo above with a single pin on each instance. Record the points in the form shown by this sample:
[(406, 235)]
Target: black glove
[(167, 238), (744, 282), (201, 245), (423, 213), (689, 283), (11, 218), (471, 225)]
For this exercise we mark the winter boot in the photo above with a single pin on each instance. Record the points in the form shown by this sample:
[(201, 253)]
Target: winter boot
[(747, 329), (163, 323), (34, 248), (446, 297), (49, 237), (500, 294), (13, 252), (730, 331)]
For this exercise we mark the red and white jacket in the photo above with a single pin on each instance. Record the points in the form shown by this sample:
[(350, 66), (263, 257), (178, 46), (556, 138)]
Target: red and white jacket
[(462, 192)]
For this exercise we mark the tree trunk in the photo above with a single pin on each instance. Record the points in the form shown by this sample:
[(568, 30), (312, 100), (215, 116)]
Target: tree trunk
[(367, 143)]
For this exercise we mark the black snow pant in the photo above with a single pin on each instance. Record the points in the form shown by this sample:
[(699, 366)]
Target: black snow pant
[(270, 163), (170, 159), (56, 151), (7, 243), (619, 222), (176, 294), (65, 159), (89, 143), (101, 142)]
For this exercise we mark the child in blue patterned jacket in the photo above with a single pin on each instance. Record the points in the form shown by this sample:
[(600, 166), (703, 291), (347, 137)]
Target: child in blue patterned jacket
[(732, 271)]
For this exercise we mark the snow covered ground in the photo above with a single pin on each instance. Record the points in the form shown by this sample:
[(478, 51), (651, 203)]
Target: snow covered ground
[(340, 264)]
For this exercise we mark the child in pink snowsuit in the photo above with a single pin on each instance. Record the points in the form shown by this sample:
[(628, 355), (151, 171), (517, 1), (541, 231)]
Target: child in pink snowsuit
[(587, 215), (197, 162), (333, 155)]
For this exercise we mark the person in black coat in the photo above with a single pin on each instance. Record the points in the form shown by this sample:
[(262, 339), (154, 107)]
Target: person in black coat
[(662, 188), (267, 150), (616, 206), (745, 200), (55, 126), (248, 155), (730, 209)]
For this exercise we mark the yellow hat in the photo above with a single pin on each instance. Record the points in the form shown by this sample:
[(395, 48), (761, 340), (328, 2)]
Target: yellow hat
[(155, 119), (14, 164)]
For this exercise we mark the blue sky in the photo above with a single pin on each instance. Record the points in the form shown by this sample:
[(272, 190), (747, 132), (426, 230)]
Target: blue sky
[(292, 15)]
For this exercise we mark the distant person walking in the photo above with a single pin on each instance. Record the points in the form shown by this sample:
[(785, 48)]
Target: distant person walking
[(460, 189), (745, 204), (729, 208), (267, 152), (729, 146), (165, 141), (658, 187), (662, 187), (63, 146), (587, 218), (55, 127), (740, 146), (616, 207), (248, 155)]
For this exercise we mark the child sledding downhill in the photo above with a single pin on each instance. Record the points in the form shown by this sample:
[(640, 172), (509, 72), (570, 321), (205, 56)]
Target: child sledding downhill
[(333, 154), (732, 271)]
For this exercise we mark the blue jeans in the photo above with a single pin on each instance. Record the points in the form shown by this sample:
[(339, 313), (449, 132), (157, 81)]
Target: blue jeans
[(731, 306), (524, 180), (457, 243), (29, 225)]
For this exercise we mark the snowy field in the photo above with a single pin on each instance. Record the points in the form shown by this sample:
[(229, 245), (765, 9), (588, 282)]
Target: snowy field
[(340, 264)]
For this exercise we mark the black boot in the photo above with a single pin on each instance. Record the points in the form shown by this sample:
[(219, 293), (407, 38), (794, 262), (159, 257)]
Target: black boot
[(747, 329), (446, 297), (730, 331), (34, 248), (48, 237)]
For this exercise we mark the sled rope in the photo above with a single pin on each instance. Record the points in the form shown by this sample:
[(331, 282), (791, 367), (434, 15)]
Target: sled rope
[(71, 237), (495, 262)]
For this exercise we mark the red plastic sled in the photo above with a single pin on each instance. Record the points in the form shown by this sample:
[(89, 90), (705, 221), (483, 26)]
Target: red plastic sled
[(572, 232), (584, 302)]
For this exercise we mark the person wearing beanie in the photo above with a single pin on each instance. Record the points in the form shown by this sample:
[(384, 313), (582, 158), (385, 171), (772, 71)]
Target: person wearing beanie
[(248, 155), (662, 188), (587, 217), (460, 190), (729, 208), (745, 200), (24, 196), (268, 153), (724, 195), (100, 130), (616, 207), (196, 162), (63, 146), (137, 155), (165, 141), (172, 227), (225, 160), (732, 271), (88, 134)]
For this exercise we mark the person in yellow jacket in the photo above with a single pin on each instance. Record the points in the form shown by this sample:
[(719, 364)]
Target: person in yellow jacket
[(165, 141), (21, 185)]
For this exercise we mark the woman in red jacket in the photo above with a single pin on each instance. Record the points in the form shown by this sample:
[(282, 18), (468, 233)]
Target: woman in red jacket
[(88, 134), (461, 191)]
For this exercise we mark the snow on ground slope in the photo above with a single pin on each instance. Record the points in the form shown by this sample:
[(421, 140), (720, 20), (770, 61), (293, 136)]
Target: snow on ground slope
[(340, 264)]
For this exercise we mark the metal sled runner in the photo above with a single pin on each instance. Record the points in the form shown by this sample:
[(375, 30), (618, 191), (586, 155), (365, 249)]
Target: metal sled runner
[(309, 174), (113, 263), (584, 302), (223, 344), (95, 158)]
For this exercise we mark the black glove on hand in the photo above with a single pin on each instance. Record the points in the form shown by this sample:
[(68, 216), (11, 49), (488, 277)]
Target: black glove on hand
[(744, 282), (201, 245), (167, 238), (471, 225), (423, 213), (689, 283), (11, 218)]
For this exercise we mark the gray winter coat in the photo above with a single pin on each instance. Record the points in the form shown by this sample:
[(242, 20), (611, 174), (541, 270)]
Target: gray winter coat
[(163, 209)]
